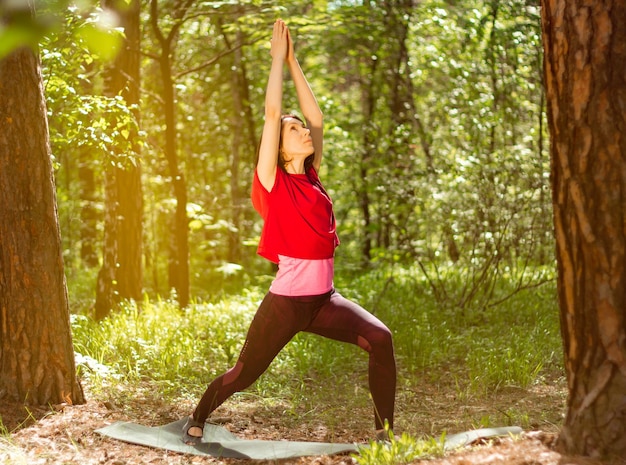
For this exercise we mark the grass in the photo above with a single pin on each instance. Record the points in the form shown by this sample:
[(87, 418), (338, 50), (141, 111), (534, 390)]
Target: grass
[(512, 344), (10, 454), (157, 347), (4, 432), (157, 341), (398, 451)]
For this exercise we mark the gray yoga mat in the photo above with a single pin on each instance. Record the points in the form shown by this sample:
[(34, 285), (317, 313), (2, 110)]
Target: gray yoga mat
[(219, 442), (463, 439)]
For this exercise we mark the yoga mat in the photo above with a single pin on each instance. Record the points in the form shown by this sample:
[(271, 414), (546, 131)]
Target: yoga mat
[(219, 442), (455, 441)]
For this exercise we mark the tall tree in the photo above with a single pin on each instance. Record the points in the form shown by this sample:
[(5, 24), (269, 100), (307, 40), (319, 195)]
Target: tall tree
[(178, 271), (172, 24), (585, 58), (36, 352), (400, 132), (238, 92), (121, 275)]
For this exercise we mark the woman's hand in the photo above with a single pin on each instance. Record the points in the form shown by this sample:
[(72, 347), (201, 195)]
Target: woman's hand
[(291, 56), (279, 44)]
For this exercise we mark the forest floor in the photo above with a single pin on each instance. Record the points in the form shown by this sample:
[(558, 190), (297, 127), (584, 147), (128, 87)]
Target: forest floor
[(66, 434)]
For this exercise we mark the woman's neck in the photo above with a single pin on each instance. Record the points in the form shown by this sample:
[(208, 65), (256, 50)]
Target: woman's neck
[(295, 167)]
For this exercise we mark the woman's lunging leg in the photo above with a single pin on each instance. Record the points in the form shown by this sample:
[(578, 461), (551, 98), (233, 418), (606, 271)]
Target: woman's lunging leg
[(273, 326), (344, 320)]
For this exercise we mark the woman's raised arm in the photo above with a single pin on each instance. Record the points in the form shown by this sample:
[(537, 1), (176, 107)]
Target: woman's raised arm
[(308, 103), (268, 147)]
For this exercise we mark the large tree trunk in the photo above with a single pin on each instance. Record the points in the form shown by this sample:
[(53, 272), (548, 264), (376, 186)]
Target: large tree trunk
[(121, 275), (36, 352), (125, 79), (585, 63)]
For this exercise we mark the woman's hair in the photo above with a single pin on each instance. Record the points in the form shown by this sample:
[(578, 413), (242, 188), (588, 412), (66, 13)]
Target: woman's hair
[(282, 163)]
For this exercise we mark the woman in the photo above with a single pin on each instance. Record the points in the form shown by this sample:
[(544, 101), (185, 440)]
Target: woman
[(299, 235)]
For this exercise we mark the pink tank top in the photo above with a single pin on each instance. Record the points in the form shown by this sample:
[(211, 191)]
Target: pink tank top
[(300, 277)]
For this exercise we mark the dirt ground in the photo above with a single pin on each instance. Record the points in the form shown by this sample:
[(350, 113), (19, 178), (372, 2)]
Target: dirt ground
[(65, 434)]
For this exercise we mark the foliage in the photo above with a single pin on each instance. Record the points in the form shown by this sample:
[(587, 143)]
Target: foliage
[(88, 130), (97, 31), (399, 450), (512, 344), (460, 178), (176, 351), (434, 141), (483, 221)]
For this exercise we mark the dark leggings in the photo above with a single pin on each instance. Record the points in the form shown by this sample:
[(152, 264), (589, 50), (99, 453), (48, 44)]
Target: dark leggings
[(279, 318)]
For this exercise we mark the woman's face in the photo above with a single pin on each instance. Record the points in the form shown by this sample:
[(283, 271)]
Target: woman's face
[(296, 138)]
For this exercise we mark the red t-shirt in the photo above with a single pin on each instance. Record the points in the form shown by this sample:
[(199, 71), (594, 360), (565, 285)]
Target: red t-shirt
[(298, 217)]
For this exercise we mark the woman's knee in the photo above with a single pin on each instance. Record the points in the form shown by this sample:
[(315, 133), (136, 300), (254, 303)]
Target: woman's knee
[(376, 340)]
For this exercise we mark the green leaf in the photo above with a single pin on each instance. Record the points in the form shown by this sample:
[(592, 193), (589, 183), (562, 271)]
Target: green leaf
[(15, 36), (105, 43)]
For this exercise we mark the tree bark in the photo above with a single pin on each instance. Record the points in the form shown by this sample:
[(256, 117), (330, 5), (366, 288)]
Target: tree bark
[(125, 79), (36, 352), (585, 59)]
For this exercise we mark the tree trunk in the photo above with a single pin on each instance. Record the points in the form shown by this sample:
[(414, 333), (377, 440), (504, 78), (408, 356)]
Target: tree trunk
[(178, 269), (585, 59), (121, 275), (179, 253), (106, 289), (36, 352), (368, 154), (234, 236), (88, 211), (87, 188), (125, 79), (399, 161)]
